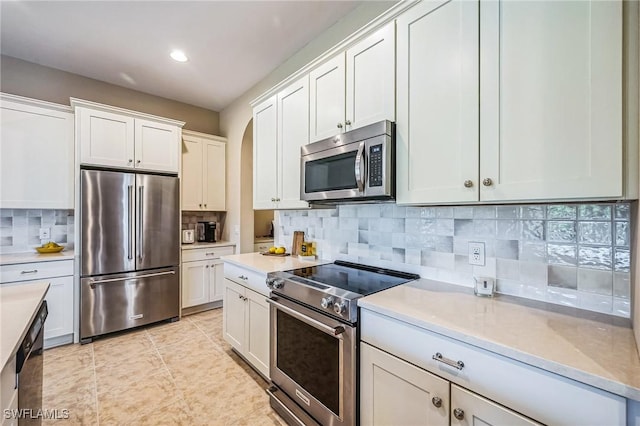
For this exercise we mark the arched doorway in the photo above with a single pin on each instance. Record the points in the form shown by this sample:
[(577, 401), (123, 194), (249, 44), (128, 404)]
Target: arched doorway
[(246, 190)]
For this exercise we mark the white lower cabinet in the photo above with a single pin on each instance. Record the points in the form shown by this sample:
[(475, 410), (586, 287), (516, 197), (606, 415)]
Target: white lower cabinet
[(401, 376), (246, 317), (202, 275), (395, 392), (58, 327)]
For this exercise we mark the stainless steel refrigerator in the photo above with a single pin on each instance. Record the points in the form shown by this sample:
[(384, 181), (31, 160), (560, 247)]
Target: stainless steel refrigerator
[(130, 250)]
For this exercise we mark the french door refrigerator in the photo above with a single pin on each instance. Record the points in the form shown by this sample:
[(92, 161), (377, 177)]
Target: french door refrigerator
[(130, 250)]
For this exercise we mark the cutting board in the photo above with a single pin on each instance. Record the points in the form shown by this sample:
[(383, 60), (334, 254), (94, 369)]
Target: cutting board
[(298, 238)]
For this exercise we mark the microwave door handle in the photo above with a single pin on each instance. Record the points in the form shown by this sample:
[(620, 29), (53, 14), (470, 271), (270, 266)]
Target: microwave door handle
[(359, 167)]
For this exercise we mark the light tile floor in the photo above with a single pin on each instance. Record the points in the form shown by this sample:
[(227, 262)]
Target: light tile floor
[(167, 374)]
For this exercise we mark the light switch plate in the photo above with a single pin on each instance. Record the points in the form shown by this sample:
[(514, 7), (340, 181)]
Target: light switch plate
[(45, 233), (476, 253)]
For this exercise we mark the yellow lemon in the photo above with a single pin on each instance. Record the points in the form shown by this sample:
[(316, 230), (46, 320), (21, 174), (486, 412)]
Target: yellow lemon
[(272, 250), (280, 250)]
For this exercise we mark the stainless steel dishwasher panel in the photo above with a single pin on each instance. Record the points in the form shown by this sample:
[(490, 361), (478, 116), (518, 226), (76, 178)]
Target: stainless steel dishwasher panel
[(120, 301)]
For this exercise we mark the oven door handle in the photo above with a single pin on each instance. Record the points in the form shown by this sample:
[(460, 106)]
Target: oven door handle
[(336, 332)]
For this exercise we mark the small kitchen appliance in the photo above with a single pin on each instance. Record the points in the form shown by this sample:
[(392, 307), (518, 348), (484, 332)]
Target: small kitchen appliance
[(314, 339), (188, 236), (206, 232)]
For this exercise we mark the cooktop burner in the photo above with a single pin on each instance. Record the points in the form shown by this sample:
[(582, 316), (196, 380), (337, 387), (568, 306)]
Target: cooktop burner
[(360, 279)]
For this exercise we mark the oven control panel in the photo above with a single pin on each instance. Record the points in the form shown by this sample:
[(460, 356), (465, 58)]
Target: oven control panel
[(336, 305)]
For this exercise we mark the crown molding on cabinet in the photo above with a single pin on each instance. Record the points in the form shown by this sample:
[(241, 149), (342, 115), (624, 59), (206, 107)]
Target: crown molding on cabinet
[(193, 134), (75, 102), (35, 102), (375, 24)]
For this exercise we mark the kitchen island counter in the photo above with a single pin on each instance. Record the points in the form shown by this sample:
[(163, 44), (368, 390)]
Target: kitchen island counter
[(265, 264), (18, 307)]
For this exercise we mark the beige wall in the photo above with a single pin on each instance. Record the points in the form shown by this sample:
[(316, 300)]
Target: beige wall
[(262, 222), (235, 118), (35, 81)]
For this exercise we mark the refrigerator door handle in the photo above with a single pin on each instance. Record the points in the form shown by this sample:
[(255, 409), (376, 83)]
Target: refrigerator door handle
[(130, 219), (93, 283), (140, 222)]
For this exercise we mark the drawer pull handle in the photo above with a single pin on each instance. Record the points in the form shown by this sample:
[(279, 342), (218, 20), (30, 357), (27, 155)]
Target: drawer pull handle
[(210, 254), (33, 271), (455, 364), (458, 414), (242, 277), (436, 401)]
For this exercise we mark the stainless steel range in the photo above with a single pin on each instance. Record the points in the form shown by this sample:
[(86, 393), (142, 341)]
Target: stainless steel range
[(314, 339)]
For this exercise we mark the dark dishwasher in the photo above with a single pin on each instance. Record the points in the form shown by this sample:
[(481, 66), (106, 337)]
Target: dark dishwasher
[(29, 370)]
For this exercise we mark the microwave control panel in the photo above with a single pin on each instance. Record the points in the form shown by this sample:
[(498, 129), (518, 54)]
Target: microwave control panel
[(375, 165)]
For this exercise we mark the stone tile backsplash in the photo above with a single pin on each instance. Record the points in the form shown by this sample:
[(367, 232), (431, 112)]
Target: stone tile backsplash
[(571, 254), (20, 228)]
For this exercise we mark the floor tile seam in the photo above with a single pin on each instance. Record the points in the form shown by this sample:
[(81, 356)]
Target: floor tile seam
[(168, 370), (95, 384), (176, 398), (206, 335), (119, 361)]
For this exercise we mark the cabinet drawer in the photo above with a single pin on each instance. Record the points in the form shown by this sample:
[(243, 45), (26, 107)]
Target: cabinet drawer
[(247, 278), (534, 392), (191, 255), (35, 271)]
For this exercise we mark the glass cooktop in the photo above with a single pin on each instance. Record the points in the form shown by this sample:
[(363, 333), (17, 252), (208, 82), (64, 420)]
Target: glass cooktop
[(360, 279)]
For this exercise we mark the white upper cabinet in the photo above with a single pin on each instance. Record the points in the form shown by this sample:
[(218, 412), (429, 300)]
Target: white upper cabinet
[(293, 132), (36, 161), (354, 88), (327, 99), (265, 155), (371, 79), (437, 123), (551, 100), (155, 146), (115, 137), (203, 171), (280, 128)]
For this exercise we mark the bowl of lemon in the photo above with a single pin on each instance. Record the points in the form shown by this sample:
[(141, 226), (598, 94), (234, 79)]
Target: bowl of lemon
[(276, 251), (50, 247)]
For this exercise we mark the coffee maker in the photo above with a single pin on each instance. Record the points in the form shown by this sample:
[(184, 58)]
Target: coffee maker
[(206, 232)]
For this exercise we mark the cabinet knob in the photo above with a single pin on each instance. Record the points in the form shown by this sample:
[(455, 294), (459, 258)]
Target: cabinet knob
[(273, 200), (200, 205), (487, 182), (131, 160), (278, 199), (205, 205), (138, 161), (207, 266), (436, 401), (339, 125), (347, 123), (468, 183), (458, 414)]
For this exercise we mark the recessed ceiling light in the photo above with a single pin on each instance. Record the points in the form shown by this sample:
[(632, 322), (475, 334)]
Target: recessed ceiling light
[(178, 55)]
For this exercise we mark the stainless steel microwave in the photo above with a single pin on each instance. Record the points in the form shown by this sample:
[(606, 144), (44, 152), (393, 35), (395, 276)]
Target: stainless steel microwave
[(358, 165)]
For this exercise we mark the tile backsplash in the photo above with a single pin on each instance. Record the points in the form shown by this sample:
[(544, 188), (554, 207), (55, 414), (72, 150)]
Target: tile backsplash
[(570, 254), (20, 228)]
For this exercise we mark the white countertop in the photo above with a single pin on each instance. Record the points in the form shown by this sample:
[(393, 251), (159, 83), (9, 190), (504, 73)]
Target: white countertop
[(265, 264), (197, 245), (18, 306), (34, 256), (591, 348)]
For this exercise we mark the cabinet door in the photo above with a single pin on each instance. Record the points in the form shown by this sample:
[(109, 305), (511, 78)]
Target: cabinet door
[(327, 94), (293, 132), (59, 299), (257, 337), (157, 146), (195, 283), (437, 123), (394, 392), (468, 408), (192, 164), (216, 281), (551, 100), (234, 315), (371, 79), (214, 175), (265, 167), (106, 139), (37, 161)]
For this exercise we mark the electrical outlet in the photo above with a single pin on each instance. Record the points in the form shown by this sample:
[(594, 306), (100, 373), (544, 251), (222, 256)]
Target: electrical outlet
[(476, 253), (45, 233)]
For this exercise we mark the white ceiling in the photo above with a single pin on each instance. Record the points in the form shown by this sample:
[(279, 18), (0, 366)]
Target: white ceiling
[(231, 45)]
